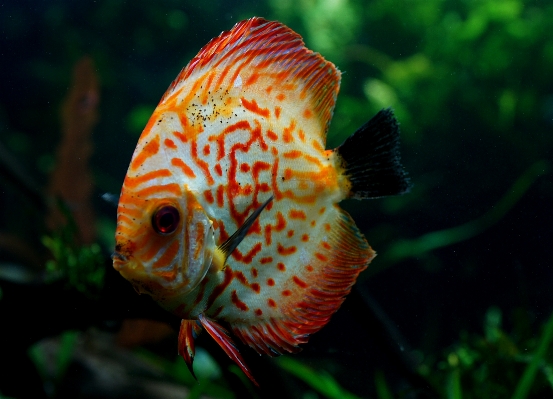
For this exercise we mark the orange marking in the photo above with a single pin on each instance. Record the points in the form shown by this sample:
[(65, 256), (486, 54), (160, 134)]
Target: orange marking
[(286, 250), (325, 245), (245, 167), (255, 287), (297, 214), (201, 163), (252, 79), (271, 303), (322, 210), (183, 120), (171, 188), (277, 112), (301, 134), (313, 223), (133, 182), (206, 150), (184, 167), (220, 198), (268, 236), (253, 107), (237, 302), (208, 196), (281, 267), (272, 135), (321, 257), (266, 260), (299, 282), (218, 170), (148, 151), (134, 213), (240, 277), (309, 268), (180, 136), (312, 159), (281, 222), (289, 87), (286, 293), (287, 133), (270, 282), (150, 252), (269, 89), (170, 144), (123, 219), (327, 226), (167, 275), (207, 87), (290, 233), (199, 244), (254, 272), (280, 97), (307, 113), (292, 154), (246, 190), (258, 312), (222, 76), (168, 255), (305, 238), (251, 254), (316, 145)]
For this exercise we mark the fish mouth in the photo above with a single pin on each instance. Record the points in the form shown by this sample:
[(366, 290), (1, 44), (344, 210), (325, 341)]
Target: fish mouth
[(119, 260)]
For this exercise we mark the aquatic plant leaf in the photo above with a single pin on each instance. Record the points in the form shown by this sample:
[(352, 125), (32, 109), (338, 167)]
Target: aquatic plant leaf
[(321, 381)]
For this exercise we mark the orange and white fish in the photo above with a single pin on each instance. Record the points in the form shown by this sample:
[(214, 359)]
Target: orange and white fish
[(228, 213)]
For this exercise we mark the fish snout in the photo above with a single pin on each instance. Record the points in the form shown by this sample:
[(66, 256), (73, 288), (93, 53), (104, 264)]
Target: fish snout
[(119, 260)]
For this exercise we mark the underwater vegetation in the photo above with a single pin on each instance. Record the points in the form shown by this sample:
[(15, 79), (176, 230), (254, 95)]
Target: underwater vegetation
[(458, 302)]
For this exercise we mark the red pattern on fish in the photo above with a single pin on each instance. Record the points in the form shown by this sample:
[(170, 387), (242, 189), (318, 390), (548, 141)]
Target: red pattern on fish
[(245, 120)]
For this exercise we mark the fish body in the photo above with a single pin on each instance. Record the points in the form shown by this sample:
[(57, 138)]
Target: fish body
[(228, 213)]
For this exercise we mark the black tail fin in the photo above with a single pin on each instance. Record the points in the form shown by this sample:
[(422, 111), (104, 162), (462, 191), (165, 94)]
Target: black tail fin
[(371, 161)]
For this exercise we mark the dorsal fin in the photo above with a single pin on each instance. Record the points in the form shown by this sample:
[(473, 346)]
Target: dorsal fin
[(272, 49)]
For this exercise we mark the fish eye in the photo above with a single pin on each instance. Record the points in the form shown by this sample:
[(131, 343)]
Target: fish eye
[(165, 220)]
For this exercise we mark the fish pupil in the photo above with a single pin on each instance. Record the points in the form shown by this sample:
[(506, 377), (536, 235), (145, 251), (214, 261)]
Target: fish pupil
[(165, 220)]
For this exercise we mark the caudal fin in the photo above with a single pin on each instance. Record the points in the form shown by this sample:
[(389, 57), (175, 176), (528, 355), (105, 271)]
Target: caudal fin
[(370, 158)]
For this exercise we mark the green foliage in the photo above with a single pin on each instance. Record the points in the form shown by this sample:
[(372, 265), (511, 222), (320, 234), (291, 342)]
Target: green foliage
[(207, 371), (81, 266), (491, 366), (63, 358), (319, 380)]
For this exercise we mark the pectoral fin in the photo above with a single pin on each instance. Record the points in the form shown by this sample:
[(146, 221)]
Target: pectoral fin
[(189, 330), (226, 248), (222, 337)]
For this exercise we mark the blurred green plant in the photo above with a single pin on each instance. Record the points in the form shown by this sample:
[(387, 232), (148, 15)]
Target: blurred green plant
[(319, 380), (423, 245), (206, 369), (63, 358), (495, 365), (81, 266)]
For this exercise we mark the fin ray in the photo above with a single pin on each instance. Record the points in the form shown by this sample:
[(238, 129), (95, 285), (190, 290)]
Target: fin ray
[(257, 47), (222, 337), (326, 287), (371, 160)]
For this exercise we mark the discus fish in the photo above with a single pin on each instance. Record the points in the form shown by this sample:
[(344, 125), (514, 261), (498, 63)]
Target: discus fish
[(228, 214)]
